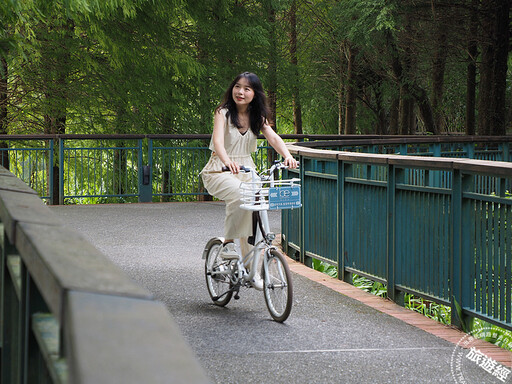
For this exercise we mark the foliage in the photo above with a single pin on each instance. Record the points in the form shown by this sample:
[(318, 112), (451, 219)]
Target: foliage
[(370, 286), (496, 335), (323, 267), (431, 309), (126, 66)]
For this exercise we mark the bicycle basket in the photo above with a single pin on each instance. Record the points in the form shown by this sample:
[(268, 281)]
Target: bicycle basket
[(277, 194)]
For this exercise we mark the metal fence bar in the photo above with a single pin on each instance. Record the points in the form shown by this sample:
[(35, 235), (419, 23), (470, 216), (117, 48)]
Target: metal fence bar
[(97, 173), (31, 160), (90, 172), (176, 166), (449, 243)]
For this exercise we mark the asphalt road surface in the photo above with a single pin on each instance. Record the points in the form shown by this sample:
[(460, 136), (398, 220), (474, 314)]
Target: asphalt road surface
[(328, 338)]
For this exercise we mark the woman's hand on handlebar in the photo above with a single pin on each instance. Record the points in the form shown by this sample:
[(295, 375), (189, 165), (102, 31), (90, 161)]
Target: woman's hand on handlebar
[(233, 167), (290, 162)]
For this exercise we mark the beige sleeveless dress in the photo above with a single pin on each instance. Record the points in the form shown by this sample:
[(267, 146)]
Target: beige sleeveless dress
[(225, 186)]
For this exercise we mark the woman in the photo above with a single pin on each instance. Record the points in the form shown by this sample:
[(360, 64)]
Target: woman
[(239, 119)]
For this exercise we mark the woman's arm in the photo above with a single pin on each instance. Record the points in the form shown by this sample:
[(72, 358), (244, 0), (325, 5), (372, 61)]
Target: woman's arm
[(278, 144), (218, 142)]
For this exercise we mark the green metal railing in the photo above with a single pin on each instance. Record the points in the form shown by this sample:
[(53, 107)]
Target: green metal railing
[(175, 162), (129, 168), (100, 169), (113, 168), (429, 216), (29, 158), (420, 225)]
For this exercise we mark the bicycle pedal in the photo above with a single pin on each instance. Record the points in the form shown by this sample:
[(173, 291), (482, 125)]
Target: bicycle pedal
[(237, 297)]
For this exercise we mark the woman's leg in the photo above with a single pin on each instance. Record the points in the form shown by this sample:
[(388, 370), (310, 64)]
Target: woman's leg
[(245, 247), (238, 222)]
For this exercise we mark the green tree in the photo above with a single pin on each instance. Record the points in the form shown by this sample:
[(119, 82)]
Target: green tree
[(347, 66), (495, 46)]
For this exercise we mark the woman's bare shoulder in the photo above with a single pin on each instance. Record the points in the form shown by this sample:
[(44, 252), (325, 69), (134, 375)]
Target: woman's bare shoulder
[(221, 111)]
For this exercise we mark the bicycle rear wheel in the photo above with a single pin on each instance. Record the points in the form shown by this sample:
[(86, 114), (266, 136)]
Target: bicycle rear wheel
[(217, 282), (277, 289)]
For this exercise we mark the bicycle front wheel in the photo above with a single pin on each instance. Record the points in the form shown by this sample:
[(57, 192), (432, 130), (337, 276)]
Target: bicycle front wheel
[(217, 277), (277, 289)]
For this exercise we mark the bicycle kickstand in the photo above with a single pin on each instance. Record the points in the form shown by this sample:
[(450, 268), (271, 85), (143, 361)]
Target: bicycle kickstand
[(234, 289)]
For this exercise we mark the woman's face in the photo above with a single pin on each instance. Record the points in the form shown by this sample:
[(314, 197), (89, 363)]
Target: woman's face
[(242, 92)]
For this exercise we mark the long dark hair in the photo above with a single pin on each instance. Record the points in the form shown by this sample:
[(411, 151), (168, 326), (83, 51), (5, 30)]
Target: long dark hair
[(258, 109)]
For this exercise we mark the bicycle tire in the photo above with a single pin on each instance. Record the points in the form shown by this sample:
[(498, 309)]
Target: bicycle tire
[(218, 285), (278, 288)]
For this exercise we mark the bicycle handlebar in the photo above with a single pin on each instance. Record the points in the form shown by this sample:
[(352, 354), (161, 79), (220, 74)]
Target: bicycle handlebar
[(277, 165), (242, 168)]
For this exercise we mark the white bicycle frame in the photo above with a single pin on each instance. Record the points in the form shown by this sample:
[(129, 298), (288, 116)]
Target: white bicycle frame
[(254, 195)]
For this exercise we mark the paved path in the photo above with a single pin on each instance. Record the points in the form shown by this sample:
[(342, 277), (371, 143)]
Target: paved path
[(328, 338)]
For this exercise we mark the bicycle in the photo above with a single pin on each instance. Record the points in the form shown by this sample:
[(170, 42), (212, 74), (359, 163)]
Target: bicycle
[(224, 278)]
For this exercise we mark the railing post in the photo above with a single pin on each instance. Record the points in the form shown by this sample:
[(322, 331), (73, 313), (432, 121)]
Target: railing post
[(456, 273), (145, 174), (395, 175), (61, 171), (51, 159), (467, 242), (506, 157), (302, 172), (433, 178), (506, 151), (436, 150), (470, 150), (347, 170), (340, 186)]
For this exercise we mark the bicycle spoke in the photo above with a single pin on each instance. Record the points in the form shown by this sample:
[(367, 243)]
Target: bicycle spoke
[(217, 275), (278, 290)]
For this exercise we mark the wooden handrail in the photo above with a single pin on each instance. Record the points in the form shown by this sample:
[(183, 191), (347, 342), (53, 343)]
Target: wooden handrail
[(96, 309)]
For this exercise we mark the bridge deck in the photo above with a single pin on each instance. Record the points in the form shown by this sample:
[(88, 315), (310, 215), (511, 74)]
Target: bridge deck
[(329, 338)]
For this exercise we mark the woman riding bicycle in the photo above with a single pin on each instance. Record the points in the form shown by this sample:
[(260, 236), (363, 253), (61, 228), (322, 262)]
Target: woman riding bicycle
[(238, 120)]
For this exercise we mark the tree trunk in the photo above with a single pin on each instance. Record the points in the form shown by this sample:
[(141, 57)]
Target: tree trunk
[(56, 90), (485, 92), (381, 128), (406, 112), (394, 116), (272, 66), (340, 115), (341, 102), (55, 126), (493, 68), (406, 102), (297, 108), (499, 86), (166, 187), (438, 70), (272, 155), (4, 154), (427, 115), (351, 92), (471, 68), (205, 108)]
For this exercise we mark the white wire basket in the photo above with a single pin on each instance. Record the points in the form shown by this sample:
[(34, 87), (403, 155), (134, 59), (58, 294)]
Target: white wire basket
[(264, 195)]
